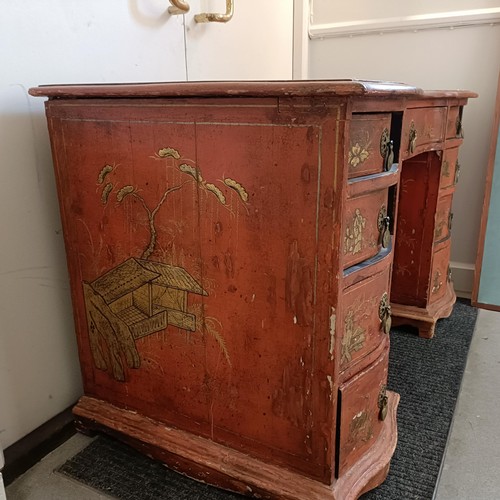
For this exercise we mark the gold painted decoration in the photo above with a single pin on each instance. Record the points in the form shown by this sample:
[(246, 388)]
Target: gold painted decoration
[(358, 154), (445, 169), (353, 339), (384, 313), (353, 238), (457, 172), (361, 427), (142, 296), (383, 403), (412, 138), (436, 282)]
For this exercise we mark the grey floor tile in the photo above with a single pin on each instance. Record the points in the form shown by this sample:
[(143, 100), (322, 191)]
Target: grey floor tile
[(471, 468)]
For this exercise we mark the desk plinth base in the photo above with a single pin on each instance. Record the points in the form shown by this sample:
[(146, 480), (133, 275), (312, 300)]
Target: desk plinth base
[(212, 463), (425, 318)]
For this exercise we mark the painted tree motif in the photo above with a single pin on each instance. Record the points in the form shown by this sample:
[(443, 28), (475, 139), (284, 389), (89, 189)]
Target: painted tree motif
[(142, 296)]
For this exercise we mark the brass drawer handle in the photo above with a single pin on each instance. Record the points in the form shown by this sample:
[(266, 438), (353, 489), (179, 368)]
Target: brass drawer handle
[(384, 313), (206, 17), (387, 149), (383, 223), (383, 403), (178, 7), (457, 172), (412, 138)]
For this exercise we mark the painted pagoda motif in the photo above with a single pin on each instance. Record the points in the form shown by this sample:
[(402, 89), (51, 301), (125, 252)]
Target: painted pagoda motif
[(142, 296)]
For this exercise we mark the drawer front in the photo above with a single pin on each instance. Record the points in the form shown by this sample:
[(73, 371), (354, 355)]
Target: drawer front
[(454, 123), (422, 126), (364, 317), (361, 413), (368, 133), (440, 272), (444, 218), (450, 168), (362, 227)]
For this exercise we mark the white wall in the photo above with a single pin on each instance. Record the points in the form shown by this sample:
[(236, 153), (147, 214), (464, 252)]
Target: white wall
[(51, 41), (466, 58), (74, 41)]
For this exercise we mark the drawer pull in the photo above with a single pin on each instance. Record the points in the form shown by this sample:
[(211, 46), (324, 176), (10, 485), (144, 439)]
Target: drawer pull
[(412, 138), (384, 313), (383, 403), (448, 274), (387, 149), (457, 172), (450, 221), (383, 223)]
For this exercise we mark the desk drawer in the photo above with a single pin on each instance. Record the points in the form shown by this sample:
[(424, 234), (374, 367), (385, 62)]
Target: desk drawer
[(363, 227), (444, 218), (454, 123), (361, 413), (366, 144), (364, 308), (450, 168), (422, 127), (440, 272)]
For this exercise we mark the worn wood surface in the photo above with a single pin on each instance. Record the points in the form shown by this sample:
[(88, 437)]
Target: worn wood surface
[(273, 88)]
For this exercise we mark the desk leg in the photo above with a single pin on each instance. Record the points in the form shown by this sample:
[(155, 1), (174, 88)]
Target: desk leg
[(424, 318)]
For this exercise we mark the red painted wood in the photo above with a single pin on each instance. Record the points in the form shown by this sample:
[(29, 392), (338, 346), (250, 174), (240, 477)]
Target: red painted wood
[(362, 238), (361, 325), (449, 168), (360, 421), (207, 228), (364, 156), (452, 123), (429, 124), (249, 310), (440, 271), (415, 229)]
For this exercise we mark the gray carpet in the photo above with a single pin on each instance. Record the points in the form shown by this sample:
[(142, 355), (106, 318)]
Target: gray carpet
[(426, 373)]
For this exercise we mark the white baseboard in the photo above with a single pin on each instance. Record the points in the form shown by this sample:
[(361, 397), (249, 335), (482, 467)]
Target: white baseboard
[(462, 275)]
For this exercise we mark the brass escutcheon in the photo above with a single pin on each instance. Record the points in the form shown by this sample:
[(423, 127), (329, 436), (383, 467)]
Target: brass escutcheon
[(384, 313), (382, 402), (457, 172), (383, 224), (459, 128), (412, 138)]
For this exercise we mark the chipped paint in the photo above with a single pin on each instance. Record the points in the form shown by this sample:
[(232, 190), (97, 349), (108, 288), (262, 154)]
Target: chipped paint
[(330, 383), (333, 317)]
